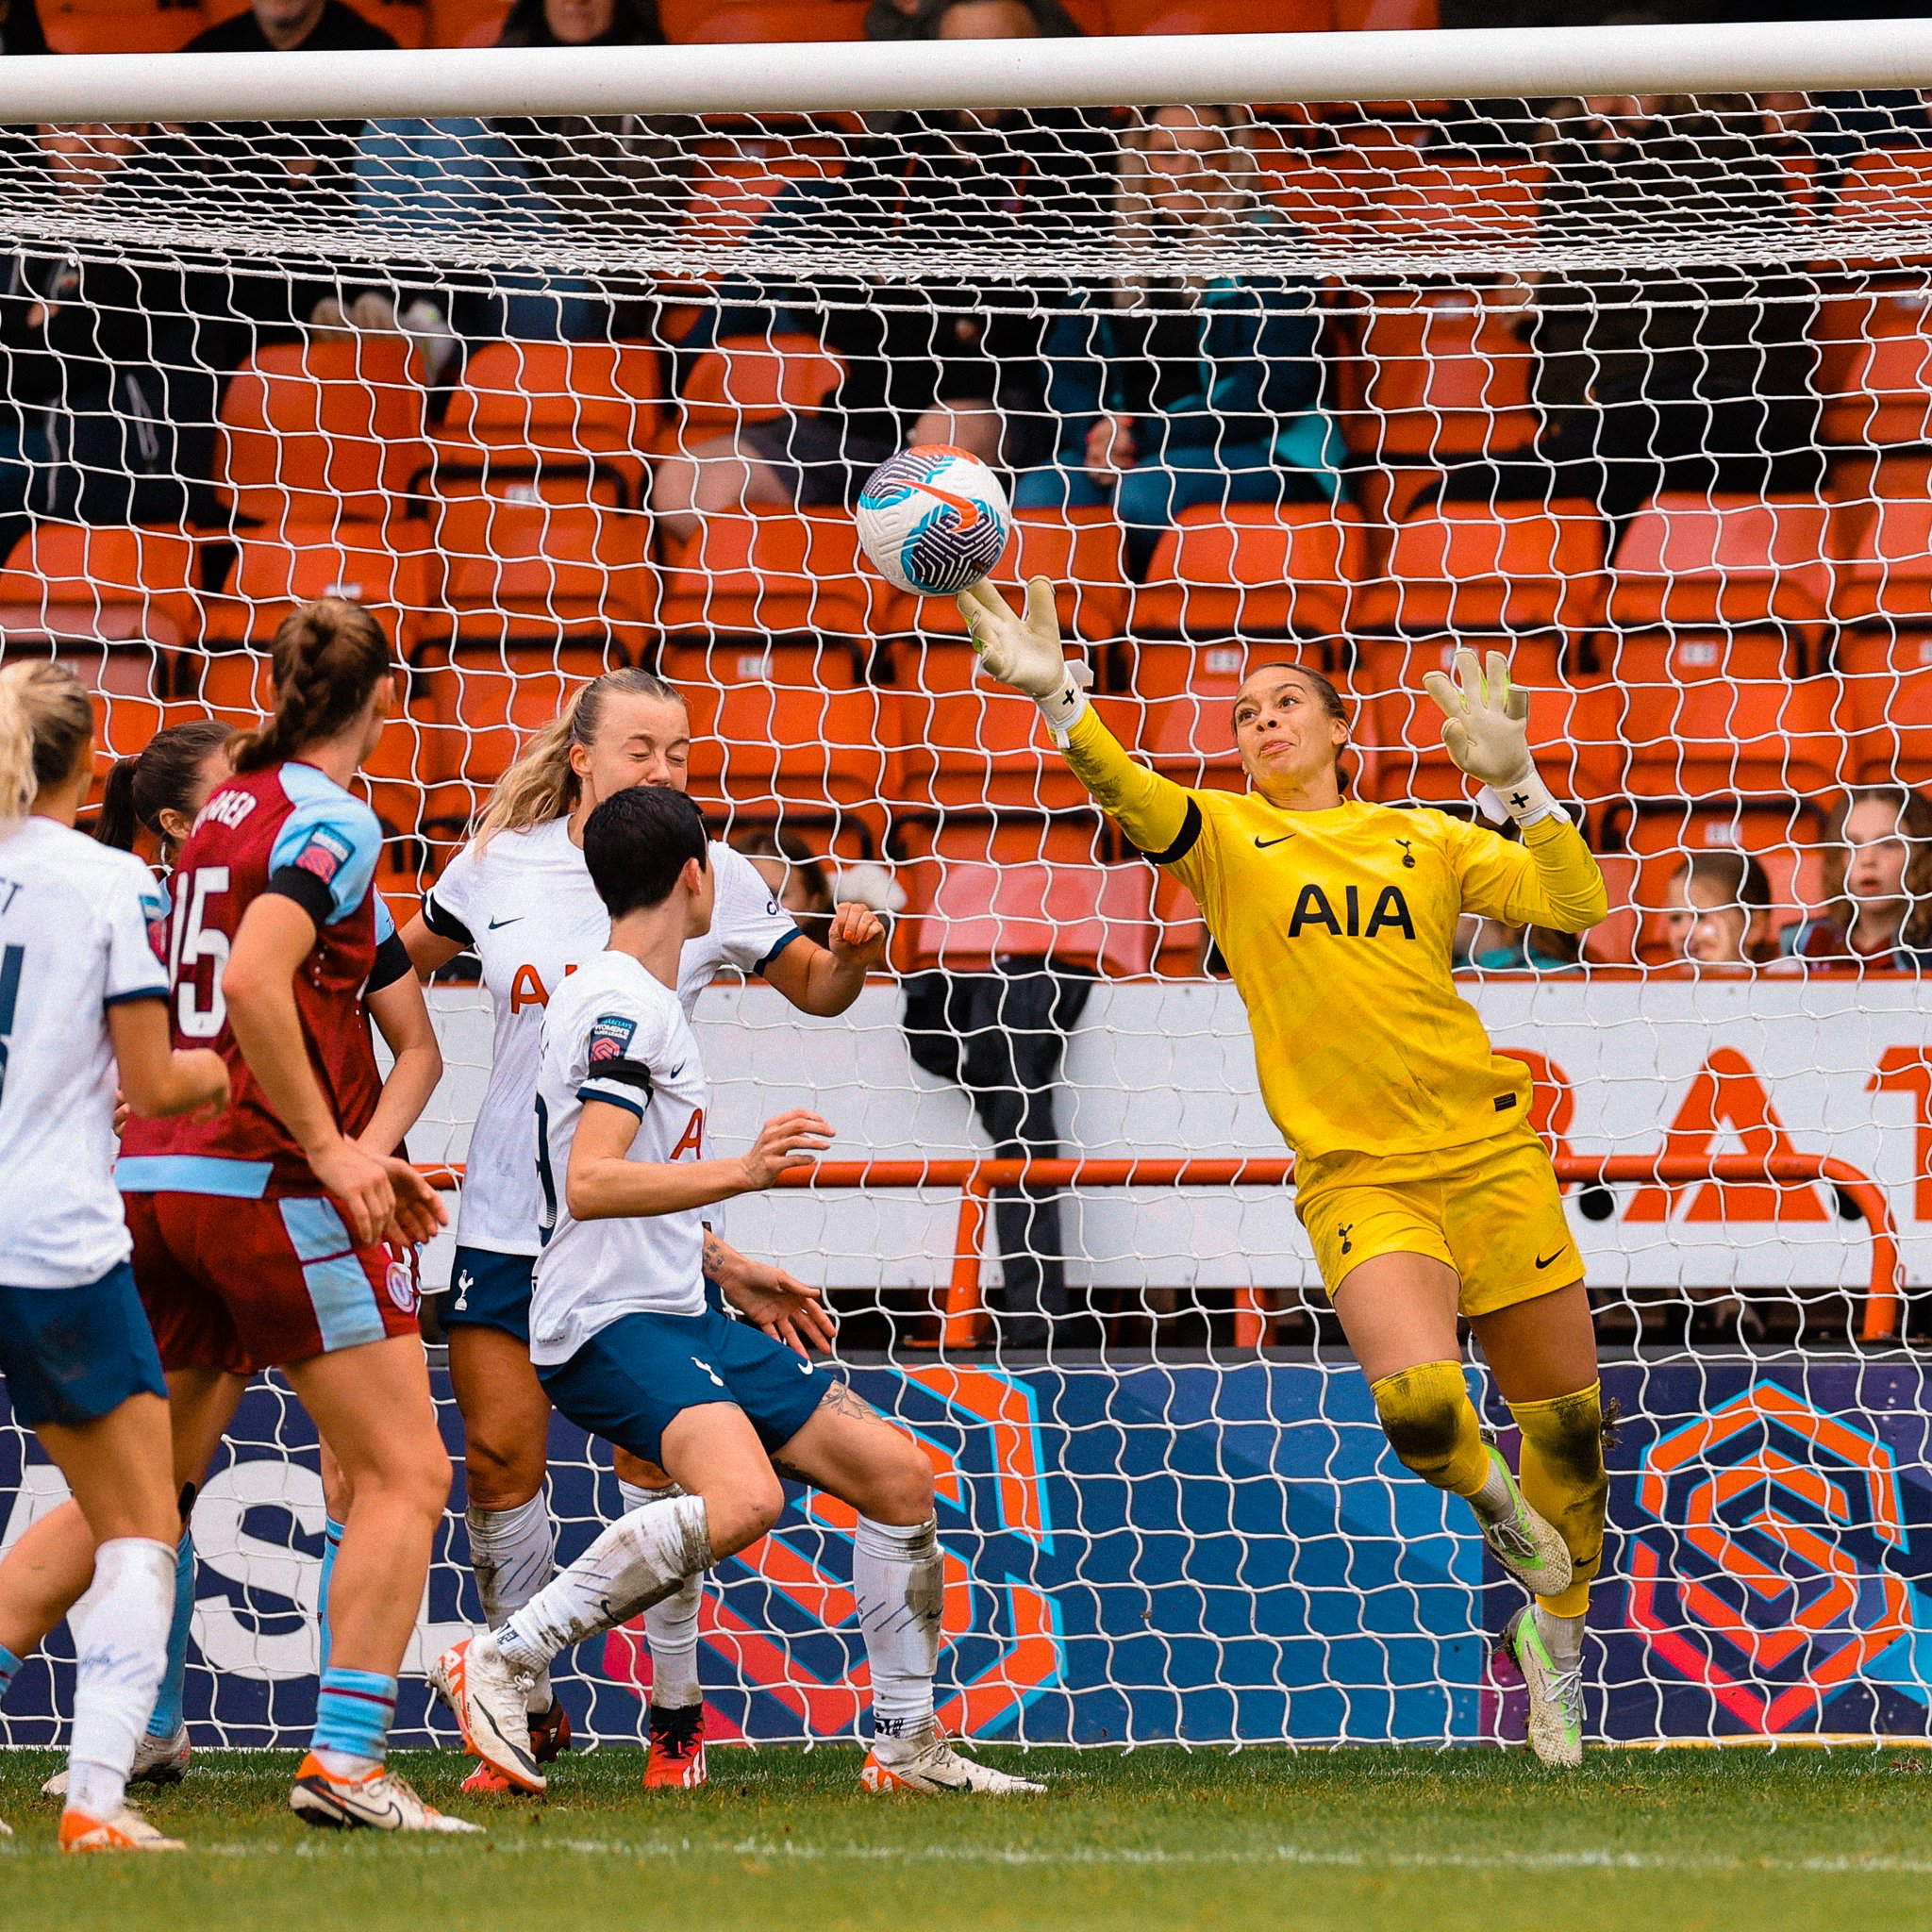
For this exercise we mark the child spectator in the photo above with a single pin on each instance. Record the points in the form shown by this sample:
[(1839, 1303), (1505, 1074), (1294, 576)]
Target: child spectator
[(797, 876), (1172, 390), (1716, 908), (1879, 844)]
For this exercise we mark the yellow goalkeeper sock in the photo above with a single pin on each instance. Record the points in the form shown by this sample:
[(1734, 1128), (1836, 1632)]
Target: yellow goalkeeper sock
[(1562, 1479), (1432, 1426)]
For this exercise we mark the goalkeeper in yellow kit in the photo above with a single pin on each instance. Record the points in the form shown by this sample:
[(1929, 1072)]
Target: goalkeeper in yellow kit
[(1421, 1183)]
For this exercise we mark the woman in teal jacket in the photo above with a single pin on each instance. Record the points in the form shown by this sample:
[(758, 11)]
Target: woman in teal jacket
[(1170, 391)]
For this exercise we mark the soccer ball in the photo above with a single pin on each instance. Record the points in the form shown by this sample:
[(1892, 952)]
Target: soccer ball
[(933, 520)]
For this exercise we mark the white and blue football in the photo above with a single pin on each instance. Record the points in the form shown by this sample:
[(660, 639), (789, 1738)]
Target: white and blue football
[(933, 520)]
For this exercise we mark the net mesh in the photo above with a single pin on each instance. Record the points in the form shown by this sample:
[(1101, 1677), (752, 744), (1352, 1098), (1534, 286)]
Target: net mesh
[(1637, 390)]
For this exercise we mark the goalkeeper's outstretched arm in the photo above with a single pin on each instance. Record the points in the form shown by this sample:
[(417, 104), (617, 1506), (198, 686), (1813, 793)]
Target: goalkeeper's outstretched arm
[(1026, 653)]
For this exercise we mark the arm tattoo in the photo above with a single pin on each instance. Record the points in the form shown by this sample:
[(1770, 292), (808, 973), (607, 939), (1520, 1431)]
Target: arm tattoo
[(714, 1254)]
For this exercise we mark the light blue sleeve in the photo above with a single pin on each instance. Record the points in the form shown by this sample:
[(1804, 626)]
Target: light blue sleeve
[(334, 837), (385, 920)]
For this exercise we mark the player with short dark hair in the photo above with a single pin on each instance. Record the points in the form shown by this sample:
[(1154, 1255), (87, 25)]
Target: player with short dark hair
[(628, 1347), (1425, 1191)]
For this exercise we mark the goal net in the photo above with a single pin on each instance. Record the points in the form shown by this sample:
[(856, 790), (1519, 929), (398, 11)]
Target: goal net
[(1637, 388)]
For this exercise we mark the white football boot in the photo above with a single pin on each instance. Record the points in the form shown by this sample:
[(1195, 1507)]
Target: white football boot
[(376, 1801), (929, 1763), (490, 1704), (1526, 1544), (1555, 1693), (156, 1761), (127, 1831)]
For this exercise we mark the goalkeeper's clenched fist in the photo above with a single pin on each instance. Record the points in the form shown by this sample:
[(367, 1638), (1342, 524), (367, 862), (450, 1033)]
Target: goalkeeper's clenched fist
[(1486, 729), (1025, 653)]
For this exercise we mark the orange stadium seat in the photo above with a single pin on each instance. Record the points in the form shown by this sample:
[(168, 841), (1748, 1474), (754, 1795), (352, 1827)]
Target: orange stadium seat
[(744, 21), (1882, 543), (1471, 202), (273, 573), (1313, 190), (535, 408), (768, 575), (1690, 560), (112, 605), (750, 379), (1884, 185), (1575, 728), (776, 728), (1021, 886), (1724, 714), (1254, 569), (467, 22), (121, 26), (1492, 567), (734, 186), (322, 434), (1081, 550), (1886, 707), (967, 741), (541, 571), (1442, 374), (1875, 367)]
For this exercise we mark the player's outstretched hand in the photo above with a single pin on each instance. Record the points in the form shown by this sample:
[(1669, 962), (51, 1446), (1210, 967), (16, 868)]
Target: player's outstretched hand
[(787, 1140), (857, 937), (1484, 718), (1024, 652), (787, 1310), (418, 1214)]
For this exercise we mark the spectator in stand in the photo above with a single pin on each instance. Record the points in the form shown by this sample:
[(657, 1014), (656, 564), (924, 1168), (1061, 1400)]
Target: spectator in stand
[(294, 173), (1693, 378), (1879, 843), (967, 19), (1716, 909), (1173, 390), (1492, 945), (104, 419), (924, 362), (525, 173)]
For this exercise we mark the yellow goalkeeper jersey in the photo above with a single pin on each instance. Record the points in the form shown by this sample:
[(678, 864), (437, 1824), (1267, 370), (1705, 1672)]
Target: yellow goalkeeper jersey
[(1338, 928)]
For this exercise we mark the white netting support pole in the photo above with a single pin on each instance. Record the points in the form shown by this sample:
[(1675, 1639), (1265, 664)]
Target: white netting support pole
[(830, 76)]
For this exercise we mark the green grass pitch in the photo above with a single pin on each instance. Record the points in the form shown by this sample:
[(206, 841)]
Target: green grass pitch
[(1358, 1841)]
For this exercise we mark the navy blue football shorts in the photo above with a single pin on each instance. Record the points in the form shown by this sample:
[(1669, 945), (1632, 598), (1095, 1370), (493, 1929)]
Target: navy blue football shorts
[(73, 1354), (630, 1381)]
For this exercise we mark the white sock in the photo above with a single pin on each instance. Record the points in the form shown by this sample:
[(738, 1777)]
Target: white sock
[(513, 1553), (899, 1578), (1562, 1638), (637, 1562), (670, 1626), (122, 1653), (1496, 1499)]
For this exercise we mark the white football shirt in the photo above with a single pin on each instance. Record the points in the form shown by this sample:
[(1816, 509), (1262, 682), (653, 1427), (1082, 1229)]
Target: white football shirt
[(81, 926), (613, 1033), (529, 907)]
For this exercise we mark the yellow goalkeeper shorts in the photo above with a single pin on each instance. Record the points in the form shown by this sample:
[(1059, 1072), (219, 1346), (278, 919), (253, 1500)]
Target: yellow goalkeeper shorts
[(1492, 1212)]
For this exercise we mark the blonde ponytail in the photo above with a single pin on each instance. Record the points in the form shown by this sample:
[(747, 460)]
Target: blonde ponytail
[(47, 728), (540, 786)]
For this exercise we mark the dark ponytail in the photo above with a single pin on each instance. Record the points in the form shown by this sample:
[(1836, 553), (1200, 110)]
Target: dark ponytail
[(327, 656), (162, 778)]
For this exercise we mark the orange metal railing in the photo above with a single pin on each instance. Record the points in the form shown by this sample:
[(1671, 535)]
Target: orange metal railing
[(963, 1315)]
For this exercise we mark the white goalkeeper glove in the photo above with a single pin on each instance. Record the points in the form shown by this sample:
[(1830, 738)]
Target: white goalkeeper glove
[(1025, 653), (1486, 729)]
